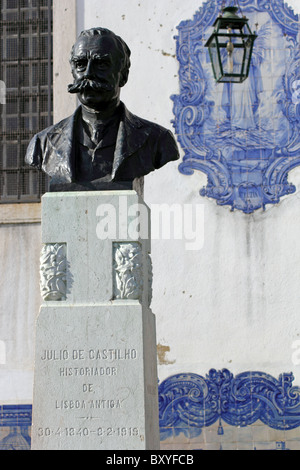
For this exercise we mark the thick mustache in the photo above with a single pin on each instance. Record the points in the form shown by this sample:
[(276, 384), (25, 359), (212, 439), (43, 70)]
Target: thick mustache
[(87, 83)]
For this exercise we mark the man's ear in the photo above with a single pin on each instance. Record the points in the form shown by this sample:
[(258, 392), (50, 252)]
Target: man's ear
[(124, 78)]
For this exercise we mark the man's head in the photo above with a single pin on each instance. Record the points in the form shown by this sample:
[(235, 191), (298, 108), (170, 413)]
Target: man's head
[(100, 62)]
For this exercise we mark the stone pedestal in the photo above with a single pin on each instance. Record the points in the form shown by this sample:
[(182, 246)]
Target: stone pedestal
[(95, 381)]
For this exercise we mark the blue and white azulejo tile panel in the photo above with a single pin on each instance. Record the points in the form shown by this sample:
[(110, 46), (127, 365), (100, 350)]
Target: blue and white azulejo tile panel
[(15, 427), (220, 411), (244, 137)]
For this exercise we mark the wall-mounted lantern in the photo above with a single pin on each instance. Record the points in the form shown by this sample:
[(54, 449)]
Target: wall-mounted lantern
[(230, 46)]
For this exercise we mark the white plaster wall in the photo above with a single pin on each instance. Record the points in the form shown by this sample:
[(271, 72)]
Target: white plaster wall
[(234, 303), (19, 306)]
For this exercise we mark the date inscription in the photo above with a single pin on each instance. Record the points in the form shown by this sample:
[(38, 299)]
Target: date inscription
[(86, 432)]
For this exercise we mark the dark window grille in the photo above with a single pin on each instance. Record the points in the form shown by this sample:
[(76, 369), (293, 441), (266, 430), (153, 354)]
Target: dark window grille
[(26, 70)]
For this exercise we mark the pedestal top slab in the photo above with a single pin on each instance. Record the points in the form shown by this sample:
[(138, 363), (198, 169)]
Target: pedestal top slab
[(84, 227)]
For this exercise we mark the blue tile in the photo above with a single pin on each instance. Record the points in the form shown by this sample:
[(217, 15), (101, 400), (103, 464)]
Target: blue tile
[(260, 115), (220, 397)]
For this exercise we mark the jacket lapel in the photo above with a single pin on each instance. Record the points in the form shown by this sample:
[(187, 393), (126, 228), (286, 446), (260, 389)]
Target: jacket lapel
[(128, 139), (61, 140)]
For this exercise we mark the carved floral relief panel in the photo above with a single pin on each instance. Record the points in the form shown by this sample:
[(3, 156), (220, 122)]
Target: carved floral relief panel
[(53, 272), (244, 137), (132, 272), (128, 274)]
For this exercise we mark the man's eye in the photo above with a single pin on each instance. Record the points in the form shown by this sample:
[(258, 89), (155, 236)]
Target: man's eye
[(102, 62), (80, 64)]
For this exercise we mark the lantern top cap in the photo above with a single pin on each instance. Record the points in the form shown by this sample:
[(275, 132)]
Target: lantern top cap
[(230, 17), (230, 12)]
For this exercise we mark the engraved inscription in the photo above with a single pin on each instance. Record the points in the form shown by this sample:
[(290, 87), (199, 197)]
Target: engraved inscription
[(87, 404), (86, 432), (89, 401), (87, 371), (92, 354), (54, 355)]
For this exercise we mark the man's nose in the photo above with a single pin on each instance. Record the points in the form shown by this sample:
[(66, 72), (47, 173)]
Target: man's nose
[(89, 71)]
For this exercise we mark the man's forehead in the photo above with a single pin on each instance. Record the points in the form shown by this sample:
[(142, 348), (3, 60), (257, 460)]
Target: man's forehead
[(100, 44)]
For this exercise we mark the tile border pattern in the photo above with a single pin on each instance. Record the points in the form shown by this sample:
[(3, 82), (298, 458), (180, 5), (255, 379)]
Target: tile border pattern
[(188, 403), (191, 405), (15, 426)]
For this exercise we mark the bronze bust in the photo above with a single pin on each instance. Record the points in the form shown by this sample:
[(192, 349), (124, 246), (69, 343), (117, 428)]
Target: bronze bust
[(102, 144)]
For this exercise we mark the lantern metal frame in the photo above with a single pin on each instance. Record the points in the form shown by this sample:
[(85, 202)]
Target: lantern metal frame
[(223, 38)]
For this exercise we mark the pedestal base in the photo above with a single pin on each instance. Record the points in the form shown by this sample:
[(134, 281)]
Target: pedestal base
[(95, 378)]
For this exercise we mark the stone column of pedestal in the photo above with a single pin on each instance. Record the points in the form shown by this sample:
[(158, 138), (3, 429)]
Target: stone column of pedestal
[(95, 381)]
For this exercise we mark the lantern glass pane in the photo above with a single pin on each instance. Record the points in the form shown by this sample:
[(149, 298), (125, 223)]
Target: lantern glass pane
[(248, 52), (233, 63), (214, 56)]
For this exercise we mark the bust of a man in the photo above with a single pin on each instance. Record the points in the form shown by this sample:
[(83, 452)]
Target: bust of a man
[(102, 142)]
